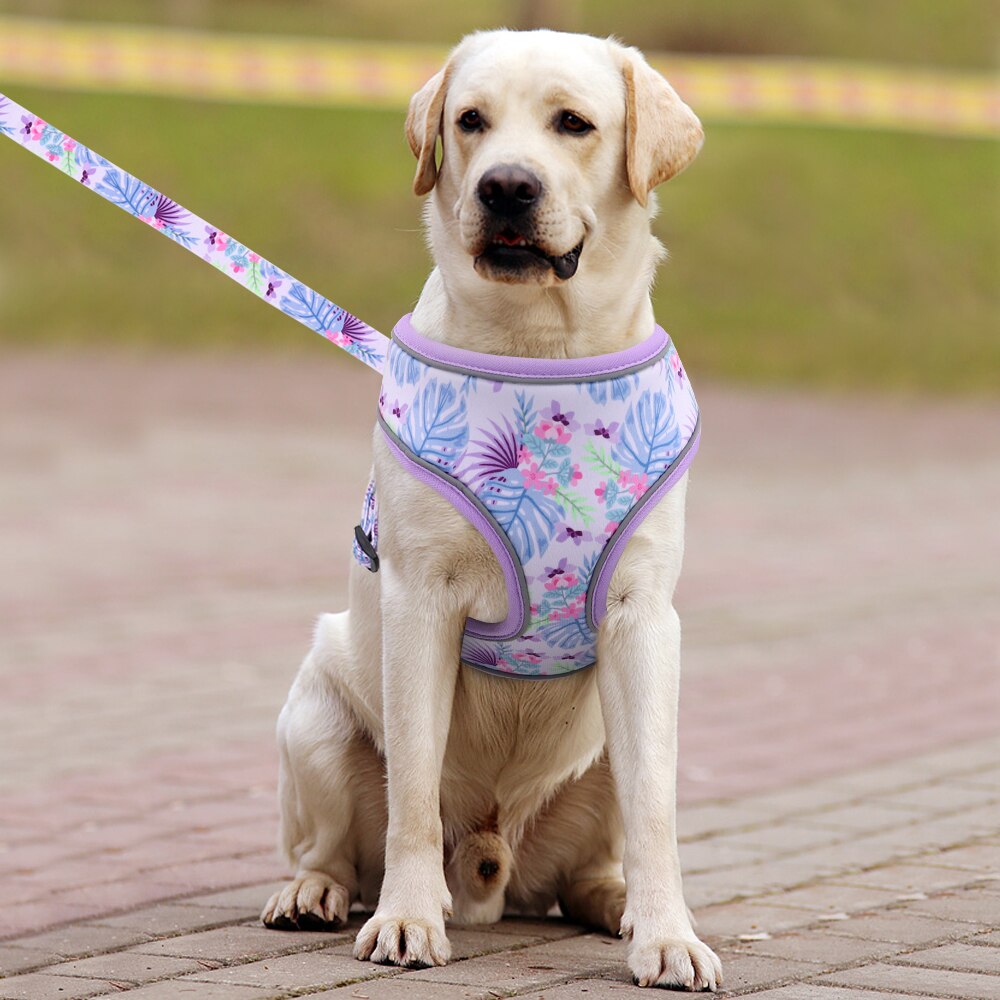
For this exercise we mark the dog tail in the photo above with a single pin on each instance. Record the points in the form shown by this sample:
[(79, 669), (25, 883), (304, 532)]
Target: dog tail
[(478, 873)]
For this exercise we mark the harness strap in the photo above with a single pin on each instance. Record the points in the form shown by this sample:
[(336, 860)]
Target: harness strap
[(190, 231)]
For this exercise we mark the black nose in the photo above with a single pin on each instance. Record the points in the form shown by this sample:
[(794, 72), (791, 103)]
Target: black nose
[(508, 190)]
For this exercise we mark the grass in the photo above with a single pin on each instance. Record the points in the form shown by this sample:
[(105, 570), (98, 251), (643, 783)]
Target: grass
[(820, 257)]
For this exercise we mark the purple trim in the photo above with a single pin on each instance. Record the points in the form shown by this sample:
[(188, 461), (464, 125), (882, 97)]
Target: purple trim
[(598, 602), (554, 368), (515, 621)]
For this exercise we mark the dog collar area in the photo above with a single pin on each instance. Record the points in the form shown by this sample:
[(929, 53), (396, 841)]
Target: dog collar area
[(529, 370)]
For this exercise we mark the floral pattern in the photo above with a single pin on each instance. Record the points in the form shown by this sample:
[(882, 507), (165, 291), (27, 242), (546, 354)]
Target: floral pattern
[(228, 255), (557, 466)]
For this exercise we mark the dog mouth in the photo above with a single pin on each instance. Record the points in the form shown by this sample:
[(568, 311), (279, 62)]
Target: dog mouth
[(511, 251)]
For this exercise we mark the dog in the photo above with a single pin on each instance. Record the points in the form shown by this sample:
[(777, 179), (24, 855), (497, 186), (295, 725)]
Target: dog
[(410, 781)]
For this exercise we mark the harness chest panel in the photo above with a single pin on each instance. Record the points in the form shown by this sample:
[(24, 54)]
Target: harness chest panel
[(555, 462)]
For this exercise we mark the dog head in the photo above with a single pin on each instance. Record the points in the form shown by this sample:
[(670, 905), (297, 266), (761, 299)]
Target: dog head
[(547, 141)]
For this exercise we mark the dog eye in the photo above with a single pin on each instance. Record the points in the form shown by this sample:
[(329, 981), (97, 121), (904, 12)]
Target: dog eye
[(574, 124), (469, 121)]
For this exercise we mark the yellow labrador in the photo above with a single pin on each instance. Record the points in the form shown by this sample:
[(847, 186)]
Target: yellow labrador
[(426, 788)]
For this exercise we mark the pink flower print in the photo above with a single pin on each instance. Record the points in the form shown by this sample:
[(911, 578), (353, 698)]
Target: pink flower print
[(69, 145), (567, 533), (237, 268), (524, 456), (553, 573), (534, 477), (611, 527), (221, 242), (52, 157), (675, 364), (555, 415), (37, 129), (635, 484), (529, 655), (554, 431), (550, 487), (597, 429), (600, 490), (254, 257), (575, 476)]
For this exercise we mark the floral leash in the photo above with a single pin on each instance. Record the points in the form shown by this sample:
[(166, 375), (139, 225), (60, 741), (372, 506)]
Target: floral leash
[(190, 231)]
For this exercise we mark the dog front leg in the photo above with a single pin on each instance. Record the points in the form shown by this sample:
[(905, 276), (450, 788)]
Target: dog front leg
[(638, 675), (421, 650)]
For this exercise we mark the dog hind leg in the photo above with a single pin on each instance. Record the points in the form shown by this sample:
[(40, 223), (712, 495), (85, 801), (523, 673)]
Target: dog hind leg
[(331, 798)]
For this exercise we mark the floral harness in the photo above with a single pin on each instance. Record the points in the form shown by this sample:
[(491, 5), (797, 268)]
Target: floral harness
[(555, 462)]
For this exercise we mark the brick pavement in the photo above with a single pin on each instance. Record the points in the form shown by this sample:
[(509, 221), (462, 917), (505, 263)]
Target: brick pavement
[(842, 633)]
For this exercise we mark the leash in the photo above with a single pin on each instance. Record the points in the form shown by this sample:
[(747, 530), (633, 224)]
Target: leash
[(211, 244)]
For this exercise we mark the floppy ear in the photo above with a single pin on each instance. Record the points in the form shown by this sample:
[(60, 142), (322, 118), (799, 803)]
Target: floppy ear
[(662, 134), (423, 126)]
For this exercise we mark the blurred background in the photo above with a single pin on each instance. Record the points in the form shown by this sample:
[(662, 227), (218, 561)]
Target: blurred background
[(181, 469), (801, 254)]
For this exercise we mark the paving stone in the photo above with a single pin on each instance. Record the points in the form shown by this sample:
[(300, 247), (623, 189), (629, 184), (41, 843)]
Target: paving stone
[(171, 989), (901, 926), (77, 940), (965, 957), (815, 945), (741, 971), (906, 878), (696, 821), (42, 986), (942, 797), (932, 982), (864, 817), (311, 970), (991, 938), (822, 991), (516, 970), (404, 987), (468, 942), (973, 905), (166, 918), (976, 857), (829, 897), (125, 966), (591, 989), (250, 898), (781, 837), (230, 944), (749, 917), (13, 959)]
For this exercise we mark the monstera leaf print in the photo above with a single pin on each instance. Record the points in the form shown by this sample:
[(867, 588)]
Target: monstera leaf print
[(649, 439), (527, 516), (404, 368), (308, 307), (128, 193), (436, 426)]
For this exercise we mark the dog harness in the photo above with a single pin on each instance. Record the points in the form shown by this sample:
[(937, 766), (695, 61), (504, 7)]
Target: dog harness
[(554, 462)]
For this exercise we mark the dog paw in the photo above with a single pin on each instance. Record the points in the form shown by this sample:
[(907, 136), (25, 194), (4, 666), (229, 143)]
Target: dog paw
[(673, 963), (411, 942), (310, 902)]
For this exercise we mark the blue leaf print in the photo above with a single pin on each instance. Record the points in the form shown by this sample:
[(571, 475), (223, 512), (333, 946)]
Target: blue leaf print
[(528, 517), (621, 388), (526, 415), (128, 193), (649, 439), (404, 368), (598, 391), (436, 426), (566, 633), (307, 306), (86, 157)]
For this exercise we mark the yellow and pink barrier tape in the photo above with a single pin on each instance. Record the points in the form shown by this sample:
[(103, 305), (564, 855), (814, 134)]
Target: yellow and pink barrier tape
[(286, 70)]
